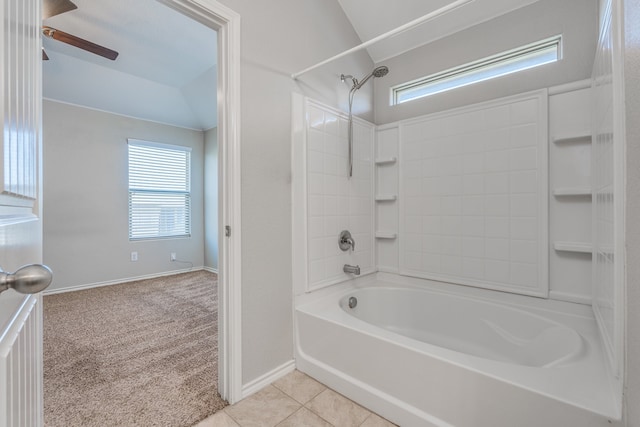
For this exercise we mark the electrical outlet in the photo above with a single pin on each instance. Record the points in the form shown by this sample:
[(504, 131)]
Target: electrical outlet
[(173, 256), (134, 256)]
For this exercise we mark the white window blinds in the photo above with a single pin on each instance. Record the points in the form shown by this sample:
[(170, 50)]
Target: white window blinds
[(159, 190)]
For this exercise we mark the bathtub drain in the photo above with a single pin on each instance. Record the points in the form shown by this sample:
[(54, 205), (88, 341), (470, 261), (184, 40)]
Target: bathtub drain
[(353, 301)]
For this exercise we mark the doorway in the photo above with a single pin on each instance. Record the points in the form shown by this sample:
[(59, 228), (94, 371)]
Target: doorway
[(224, 22)]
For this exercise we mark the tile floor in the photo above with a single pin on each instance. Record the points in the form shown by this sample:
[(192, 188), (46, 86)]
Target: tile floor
[(295, 400)]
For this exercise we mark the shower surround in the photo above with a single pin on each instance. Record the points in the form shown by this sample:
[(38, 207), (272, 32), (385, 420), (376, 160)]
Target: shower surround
[(457, 207), (473, 196)]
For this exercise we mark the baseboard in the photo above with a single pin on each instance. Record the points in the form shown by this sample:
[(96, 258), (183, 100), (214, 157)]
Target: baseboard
[(266, 379), (118, 281), (210, 269)]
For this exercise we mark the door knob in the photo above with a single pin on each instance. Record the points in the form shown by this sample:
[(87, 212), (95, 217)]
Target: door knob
[(29, 279)]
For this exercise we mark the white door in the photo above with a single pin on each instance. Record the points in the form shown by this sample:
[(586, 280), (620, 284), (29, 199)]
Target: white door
[(20, 212)]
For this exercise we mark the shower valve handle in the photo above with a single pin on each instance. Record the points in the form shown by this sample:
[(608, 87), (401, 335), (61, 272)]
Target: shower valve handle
[(346, 242)]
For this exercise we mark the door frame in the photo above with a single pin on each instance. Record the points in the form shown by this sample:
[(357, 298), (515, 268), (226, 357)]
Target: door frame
[(227, 24)]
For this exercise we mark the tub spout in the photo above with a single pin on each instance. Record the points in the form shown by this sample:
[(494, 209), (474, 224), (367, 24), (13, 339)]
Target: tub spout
[(353, 269)]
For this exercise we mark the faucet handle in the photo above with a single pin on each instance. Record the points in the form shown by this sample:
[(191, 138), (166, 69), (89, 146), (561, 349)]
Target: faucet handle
[(346, 241)]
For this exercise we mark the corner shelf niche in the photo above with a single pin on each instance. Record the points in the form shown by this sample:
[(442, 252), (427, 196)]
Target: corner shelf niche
[(386, 161), (578, 247), (572, 191), (570, 249), (572, 138), (580, 192), (386, 235)]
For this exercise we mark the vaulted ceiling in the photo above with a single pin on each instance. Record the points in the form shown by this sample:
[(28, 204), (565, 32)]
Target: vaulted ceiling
[(166, 68), (371, 18)]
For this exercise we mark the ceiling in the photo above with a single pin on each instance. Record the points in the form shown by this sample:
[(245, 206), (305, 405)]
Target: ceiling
[(370, 18), (165, 72)]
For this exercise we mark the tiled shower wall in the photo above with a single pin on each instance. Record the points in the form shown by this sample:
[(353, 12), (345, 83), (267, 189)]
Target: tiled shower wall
[(606, 142), (334, 201), (473, 195)]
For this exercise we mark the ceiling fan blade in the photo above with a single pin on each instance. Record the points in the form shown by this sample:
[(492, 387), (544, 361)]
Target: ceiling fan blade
[(80, 43), (56, 7), (45, 57)]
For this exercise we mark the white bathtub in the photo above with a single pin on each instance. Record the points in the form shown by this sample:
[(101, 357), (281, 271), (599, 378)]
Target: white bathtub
[(438, 355)]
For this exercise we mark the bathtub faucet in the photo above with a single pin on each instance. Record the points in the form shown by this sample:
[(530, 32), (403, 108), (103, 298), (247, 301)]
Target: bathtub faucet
[(353, 269)]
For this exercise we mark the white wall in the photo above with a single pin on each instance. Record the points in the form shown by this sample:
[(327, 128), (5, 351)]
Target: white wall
[(278, 39), (211, 198), (632, 94), (576, 20), (86, 237)]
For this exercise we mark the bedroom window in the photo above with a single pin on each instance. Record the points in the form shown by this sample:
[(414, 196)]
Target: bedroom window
[(511, 61), (159, 190)]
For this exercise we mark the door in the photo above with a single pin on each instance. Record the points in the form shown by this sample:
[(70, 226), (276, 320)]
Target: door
[(20, 211)]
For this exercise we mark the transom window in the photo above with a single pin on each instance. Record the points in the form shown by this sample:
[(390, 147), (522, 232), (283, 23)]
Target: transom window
[(159, 190), (519, 59)]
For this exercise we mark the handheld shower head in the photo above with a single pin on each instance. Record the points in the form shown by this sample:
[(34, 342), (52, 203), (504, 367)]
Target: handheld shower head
[(380, 71)]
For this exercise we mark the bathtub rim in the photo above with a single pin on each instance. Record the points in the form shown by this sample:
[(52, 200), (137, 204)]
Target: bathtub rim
[(575, 316), (526, 302), (575, 353)]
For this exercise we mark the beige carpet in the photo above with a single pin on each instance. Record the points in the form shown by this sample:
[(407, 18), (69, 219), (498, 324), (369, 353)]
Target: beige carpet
[(136, 354)]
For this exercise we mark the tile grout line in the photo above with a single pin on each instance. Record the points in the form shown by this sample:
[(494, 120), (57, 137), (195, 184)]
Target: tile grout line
[(289, 416), (314, 412), (306, 406), (365, 420), (229, 415), (320, 416), (343, 396), (310, 399)]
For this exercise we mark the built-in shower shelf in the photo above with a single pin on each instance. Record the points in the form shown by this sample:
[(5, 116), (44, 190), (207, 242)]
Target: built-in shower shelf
[(579, 247), (386, 161), (606, 249), (386, 197), (386, 235), (572, 191), (572, 137)]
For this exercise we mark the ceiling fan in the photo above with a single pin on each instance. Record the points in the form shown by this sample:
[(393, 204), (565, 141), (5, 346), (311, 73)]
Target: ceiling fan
[(56, 7)]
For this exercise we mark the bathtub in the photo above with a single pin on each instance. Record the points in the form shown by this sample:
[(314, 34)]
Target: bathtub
[(425, 354)]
